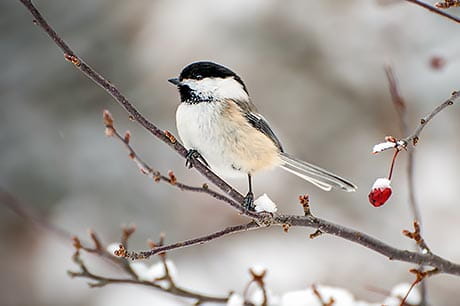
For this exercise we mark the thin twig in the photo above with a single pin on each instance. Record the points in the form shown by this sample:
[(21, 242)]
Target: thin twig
[(393, 163), (417, 237), (186, 243), (258, 278), (415, 137), (416, 216), (411, 186), (419, 277), (435, 10)]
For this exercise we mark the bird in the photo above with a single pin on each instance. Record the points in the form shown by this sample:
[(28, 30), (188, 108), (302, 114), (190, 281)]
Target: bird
[(218, 124)]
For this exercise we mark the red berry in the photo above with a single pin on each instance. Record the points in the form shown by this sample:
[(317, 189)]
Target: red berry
[(380, 192)]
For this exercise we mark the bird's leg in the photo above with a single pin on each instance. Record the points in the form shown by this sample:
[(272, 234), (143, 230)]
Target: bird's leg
[(248, 202), (193, 154)]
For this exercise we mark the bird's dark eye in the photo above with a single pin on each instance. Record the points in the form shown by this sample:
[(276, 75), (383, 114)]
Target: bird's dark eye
[(198, 77)]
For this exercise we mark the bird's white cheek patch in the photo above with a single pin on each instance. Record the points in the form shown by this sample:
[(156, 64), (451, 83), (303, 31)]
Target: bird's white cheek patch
[(217, 88), (229, 88)]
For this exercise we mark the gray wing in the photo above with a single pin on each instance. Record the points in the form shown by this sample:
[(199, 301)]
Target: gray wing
[(259, 122)]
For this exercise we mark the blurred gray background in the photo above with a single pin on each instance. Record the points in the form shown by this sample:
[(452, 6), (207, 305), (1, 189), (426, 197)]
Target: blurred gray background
[(313, 68)]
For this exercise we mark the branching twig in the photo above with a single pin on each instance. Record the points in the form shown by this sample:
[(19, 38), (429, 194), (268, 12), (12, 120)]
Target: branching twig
[(127, 231), (100, 281), (417, 237), (258, 278), (178, 245), (419, 276), (435, 10), (414, 138), (305, 202)]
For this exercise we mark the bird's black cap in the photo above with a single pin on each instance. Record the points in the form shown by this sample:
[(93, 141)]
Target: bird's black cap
[(205, 69)]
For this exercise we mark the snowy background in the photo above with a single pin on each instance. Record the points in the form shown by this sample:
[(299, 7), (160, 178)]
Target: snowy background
[(313, 68)]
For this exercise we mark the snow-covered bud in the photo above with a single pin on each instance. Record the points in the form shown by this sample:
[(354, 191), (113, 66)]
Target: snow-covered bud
[(390, 143), (383, 147), (380, 192), (264, 203), (113, 247)]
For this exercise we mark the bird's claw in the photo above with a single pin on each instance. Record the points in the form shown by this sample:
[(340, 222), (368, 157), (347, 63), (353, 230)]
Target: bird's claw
[(248, 202), (192, 155)]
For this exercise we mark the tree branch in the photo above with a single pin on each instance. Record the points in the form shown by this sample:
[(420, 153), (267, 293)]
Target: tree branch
[(370, 242), (426, 259)]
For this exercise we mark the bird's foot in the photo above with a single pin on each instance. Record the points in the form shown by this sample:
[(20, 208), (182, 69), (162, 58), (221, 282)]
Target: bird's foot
[(248, 202), (192, 155)]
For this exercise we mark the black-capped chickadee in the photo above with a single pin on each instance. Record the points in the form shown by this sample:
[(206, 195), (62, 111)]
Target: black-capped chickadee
[(219, 124)]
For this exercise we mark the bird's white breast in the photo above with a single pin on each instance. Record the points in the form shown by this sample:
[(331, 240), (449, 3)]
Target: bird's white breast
[(200, 127), (195, 122)]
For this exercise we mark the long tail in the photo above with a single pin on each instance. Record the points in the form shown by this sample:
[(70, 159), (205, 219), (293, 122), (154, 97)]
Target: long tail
[(315, 175)]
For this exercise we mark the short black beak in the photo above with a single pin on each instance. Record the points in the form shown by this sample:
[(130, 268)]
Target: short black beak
[(174, 81)]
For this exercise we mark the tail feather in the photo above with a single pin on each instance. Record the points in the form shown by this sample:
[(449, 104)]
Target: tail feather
[(315, 175)]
